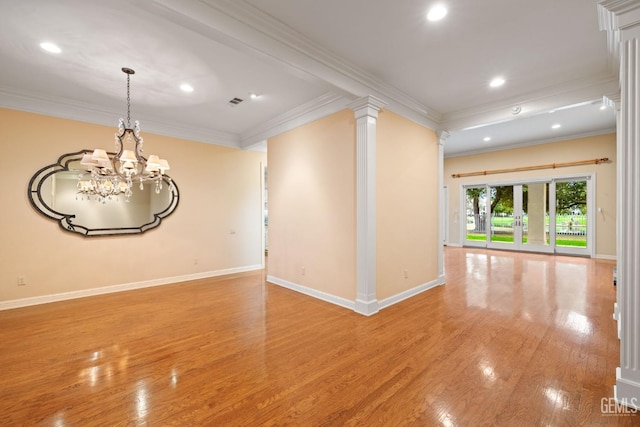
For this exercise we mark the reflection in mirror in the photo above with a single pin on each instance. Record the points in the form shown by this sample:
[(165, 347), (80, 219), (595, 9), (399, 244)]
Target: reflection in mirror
[(66, 192)]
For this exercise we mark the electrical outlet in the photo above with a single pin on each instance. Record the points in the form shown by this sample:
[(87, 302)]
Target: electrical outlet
[(22, 280), (303, 271), (406, 274), (195, 261)]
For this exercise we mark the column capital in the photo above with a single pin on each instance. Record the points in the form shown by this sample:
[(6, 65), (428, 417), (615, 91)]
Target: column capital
[(442, 135), (612, 101), (367, 106)]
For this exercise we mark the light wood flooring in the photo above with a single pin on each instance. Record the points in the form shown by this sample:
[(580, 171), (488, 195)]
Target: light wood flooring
[(512, 339)]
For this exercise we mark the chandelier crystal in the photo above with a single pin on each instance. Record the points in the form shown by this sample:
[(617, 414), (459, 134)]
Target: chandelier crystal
[(112, 174)]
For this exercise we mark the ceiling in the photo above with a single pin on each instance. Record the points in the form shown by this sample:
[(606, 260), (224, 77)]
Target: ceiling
[(308, 58)]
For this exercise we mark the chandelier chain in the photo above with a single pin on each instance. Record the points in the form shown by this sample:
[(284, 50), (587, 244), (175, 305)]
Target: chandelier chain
[(128, 101), (114, 173)]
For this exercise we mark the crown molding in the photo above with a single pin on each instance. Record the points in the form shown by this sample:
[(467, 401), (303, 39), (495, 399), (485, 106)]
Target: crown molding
[(530, 143), (325, 105), (553, 97), (607, 22), (238, 24), (620, 16), (620, 7), (84, 112), (308, 112), (57, 107), (204, 135)]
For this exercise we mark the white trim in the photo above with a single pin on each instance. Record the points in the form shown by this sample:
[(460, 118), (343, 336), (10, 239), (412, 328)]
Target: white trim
[(445, 219), (530, 143), (609, 257), (366, 308), (333, 299), (263, 197), (535, 180), (320, 107), (625, 26), (45, 299), (357, 306), (366, 114), (454, 245), (387, 302), (74, 110), (245, 27), (626, 391), (442, 207), (569, 92)]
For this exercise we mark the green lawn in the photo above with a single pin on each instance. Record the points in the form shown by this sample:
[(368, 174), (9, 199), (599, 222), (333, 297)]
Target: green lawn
[(509, 239)]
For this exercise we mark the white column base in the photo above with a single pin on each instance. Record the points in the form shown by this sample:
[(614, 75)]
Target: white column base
[(626, 392), (366, 308)]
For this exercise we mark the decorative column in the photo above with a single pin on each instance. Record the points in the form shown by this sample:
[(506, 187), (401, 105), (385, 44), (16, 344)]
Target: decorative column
[(366, 113), (621, 18), (443, 135), (613, 101)]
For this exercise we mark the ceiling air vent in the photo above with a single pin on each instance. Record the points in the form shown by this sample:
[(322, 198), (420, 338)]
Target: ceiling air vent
[(234, 102)]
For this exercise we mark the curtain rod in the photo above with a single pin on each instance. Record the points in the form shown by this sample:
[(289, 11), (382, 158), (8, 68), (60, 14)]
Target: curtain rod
[(530, 168)]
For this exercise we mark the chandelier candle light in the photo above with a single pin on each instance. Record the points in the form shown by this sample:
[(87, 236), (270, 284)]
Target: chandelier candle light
[(114, 174)]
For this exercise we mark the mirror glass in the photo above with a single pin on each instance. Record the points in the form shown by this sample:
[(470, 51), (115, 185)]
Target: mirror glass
[(56, 192)]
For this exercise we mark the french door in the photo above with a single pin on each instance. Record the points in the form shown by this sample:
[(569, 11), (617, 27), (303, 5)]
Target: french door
[(551, 216)]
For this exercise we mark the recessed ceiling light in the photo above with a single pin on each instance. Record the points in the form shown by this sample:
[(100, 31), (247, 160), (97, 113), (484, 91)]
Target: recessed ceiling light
[(556, 126), (498, 81), (436, 13), (486, 139), (50, 47), (253, 95), (186, 87)]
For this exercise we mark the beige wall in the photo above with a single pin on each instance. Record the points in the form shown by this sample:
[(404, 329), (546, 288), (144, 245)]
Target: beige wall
[(565, 151), (407, 205), (312, 205), (217, 225)]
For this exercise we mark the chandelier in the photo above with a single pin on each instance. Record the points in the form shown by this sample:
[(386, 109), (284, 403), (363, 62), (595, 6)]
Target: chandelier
[(109, 175)]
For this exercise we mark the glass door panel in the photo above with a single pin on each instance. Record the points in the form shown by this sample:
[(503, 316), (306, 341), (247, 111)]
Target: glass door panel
[(535, 217), (502, 215), (546, 216), (571, 226), (475, 228)]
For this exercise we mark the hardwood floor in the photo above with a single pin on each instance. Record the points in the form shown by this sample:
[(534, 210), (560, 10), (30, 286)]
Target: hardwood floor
[(512, 339)]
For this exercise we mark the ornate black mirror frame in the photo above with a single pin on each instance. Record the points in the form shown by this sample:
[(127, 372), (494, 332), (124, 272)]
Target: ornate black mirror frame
[(66, 220)]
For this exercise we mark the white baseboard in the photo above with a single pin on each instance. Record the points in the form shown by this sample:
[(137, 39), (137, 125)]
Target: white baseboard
[(44, 299), (366, 308), (342, 302), (411, 292), (626, 391), (609, 257), (369, 308), (454, 245)]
